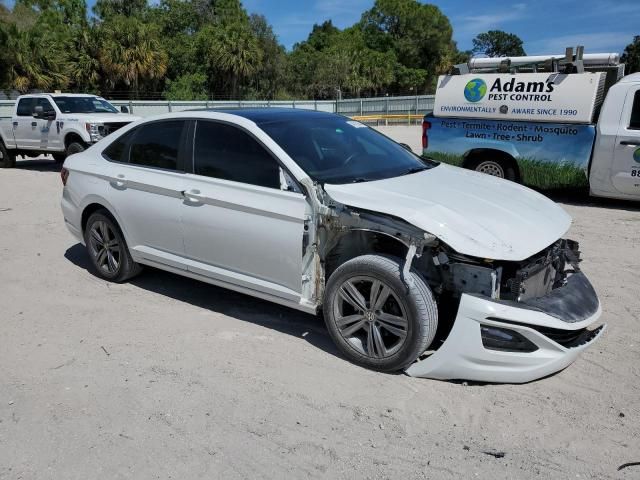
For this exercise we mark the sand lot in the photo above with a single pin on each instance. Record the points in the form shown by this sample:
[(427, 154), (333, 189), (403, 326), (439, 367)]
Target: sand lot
[(165, 377)]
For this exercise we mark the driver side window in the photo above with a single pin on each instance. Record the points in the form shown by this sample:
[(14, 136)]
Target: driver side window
[(634, 121), (226, 152)]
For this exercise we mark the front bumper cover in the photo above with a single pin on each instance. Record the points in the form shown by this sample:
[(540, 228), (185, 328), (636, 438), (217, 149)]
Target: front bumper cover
[(463, 356)]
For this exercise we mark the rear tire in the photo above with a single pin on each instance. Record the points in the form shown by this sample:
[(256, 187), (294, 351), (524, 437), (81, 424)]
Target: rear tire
[(496, 167), (107, 248), (75, 147), (375, 319), (7, 160)]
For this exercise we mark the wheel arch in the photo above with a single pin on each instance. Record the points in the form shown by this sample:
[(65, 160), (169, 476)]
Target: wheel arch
[(71, 137), (356, 242), (94, 204), (477, 154)]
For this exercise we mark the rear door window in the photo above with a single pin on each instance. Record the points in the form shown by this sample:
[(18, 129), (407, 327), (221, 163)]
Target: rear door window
[(229, 153), (25, 107), (157, 144)]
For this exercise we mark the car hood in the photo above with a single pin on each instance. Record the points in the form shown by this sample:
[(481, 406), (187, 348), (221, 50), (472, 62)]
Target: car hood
[(475, 214)]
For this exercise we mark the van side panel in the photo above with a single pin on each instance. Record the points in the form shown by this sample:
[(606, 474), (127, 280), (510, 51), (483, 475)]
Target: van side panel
[(549, 155)]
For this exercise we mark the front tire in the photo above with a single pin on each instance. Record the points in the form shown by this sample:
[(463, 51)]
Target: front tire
[(75, 147), (7, 160), (495, 167), (375, 319), (108, 250)]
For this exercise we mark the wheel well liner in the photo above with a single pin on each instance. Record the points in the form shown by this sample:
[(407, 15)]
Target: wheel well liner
[(92, 208), (73, 137), (478, 154), (358, 242)]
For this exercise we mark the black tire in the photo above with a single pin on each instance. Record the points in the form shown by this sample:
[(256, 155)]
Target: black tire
[(7, 160), (414, 302), (59, 157), (497, 167), (125, 267), (75, 147)]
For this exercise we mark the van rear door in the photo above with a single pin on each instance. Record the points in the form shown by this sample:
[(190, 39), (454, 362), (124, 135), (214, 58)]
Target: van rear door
[(625, 171)]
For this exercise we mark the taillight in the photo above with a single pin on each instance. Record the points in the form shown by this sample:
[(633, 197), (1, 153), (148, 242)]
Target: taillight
[(425, 137), (64, 174)]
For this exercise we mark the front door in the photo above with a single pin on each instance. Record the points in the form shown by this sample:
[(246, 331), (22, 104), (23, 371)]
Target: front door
[(240, 225), (625, 174), (48, 129)]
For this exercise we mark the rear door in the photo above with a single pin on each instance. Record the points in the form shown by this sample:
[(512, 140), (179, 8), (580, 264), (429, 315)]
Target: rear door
[(145, 184), (242, 224), (625, 174), (25, 127)]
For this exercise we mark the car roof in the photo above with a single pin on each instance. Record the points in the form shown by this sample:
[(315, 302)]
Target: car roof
[(272, 114), (60, 95)]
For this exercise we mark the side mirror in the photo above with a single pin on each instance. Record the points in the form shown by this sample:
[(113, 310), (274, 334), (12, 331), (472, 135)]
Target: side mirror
[(406, 147), (37, 112), (124, 109)]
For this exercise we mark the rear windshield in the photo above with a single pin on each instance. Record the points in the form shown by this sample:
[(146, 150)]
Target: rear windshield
[(84, 105), (339, 150)]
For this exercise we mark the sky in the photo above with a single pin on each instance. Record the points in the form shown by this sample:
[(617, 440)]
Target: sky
[(546, 26)]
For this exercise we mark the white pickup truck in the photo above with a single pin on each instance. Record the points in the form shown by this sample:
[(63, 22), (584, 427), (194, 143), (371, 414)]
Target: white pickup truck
[(59, 124)]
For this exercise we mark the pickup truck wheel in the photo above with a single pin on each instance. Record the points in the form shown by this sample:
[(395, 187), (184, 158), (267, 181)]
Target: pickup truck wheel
[(75, 147), (7, 160), (495, 167), (107, 248), (376, 319), (59, 157)]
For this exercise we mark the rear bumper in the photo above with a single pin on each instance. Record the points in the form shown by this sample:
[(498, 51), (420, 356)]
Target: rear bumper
[(560, 325)]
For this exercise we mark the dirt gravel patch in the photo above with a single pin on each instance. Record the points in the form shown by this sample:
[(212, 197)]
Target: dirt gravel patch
[(166, 377)]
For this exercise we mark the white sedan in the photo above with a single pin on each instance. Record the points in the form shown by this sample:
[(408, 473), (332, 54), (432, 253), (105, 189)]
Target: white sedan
[(418, 266)]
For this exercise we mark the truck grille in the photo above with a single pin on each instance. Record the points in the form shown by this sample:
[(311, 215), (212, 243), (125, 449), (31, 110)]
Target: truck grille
[(113, 126)]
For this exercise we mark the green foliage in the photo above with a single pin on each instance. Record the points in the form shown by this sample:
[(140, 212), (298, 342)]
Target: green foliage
[(191, 86), (196, 49), (535, 173), (496, 43), (631, 56)]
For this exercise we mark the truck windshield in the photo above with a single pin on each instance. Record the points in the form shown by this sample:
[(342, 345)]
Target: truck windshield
[(338, 150), (84, 105)]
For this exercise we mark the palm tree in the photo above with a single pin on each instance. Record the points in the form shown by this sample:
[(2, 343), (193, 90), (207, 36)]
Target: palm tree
[(232, 50), (131, 53)]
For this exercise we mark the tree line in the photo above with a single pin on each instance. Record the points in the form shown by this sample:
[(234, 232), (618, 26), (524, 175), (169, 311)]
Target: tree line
[(207, 49)]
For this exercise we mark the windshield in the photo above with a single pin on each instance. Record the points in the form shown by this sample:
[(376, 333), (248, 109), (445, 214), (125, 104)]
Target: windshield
[(84, 105), (339, 150)]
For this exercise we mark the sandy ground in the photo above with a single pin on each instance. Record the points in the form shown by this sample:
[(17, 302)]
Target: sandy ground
[(165, 377)]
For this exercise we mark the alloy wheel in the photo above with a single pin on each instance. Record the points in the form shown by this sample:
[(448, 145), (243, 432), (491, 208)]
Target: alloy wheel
[(104, 247), (370, 317)]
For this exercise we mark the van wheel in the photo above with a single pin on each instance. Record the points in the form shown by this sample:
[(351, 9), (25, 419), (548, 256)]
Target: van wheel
[(107, 248), (495, 167), (376, 319), (75, 147), (7, 160)]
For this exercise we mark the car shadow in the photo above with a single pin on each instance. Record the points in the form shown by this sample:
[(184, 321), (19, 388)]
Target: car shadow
[(292, 322), (40, 164)]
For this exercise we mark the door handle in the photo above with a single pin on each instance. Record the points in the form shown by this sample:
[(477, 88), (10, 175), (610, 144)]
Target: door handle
[(34, 124), (119, 181), (192, 196), (15, 124), (634, 143)]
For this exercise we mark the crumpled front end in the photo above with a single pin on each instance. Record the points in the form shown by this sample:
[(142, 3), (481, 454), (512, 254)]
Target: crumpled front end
[(545, 321)]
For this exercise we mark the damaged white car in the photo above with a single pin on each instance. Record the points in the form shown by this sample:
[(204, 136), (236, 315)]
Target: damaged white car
[(442, 272)]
